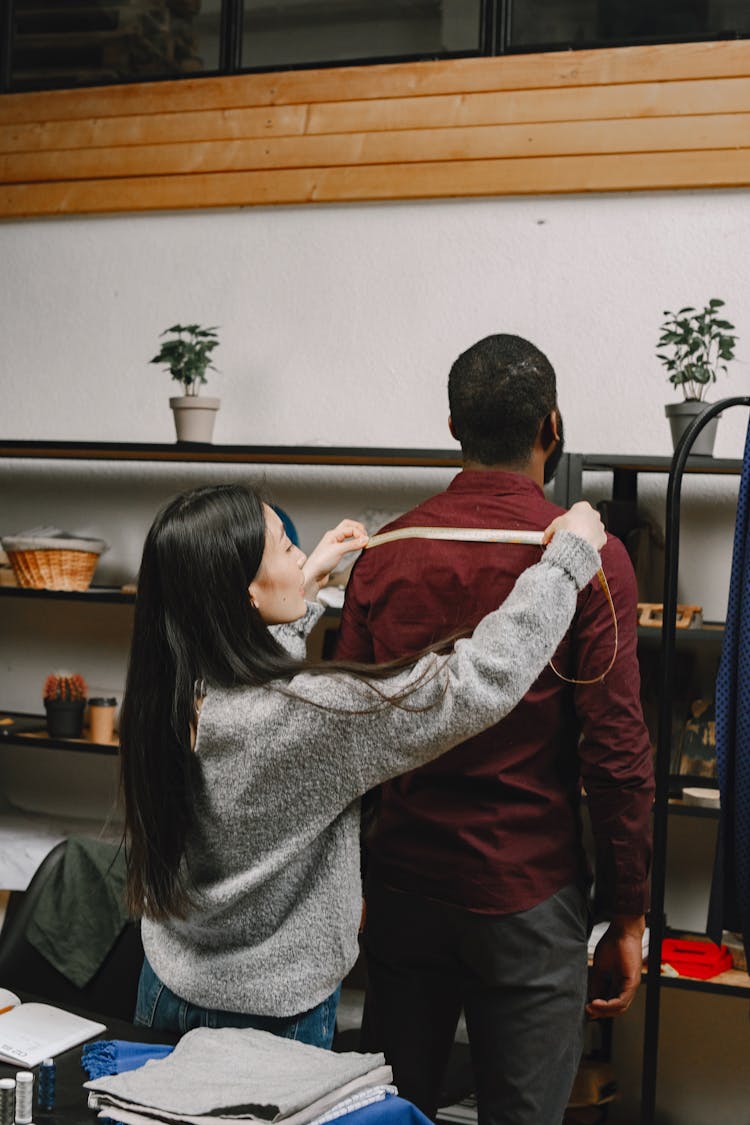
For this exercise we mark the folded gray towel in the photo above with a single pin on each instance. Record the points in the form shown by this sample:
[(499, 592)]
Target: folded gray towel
[(239, 1071)]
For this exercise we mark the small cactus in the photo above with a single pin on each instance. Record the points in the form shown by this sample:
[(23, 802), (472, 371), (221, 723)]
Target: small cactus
[(65, 686)]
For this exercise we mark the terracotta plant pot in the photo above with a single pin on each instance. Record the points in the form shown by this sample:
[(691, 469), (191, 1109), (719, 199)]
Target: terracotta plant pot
[(194, 417)]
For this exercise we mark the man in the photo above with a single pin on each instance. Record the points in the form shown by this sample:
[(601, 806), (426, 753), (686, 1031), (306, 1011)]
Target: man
[(476, 884)]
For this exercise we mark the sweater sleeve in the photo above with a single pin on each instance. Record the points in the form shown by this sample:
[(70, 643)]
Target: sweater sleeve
[(293, 635), (364, 739)]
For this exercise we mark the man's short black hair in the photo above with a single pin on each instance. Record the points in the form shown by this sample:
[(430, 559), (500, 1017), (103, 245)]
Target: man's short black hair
[(499, 391)]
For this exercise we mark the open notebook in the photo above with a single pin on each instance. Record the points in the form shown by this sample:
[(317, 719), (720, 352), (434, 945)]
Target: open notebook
[(30, 1033)]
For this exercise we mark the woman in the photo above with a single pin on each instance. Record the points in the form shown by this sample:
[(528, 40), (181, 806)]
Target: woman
[(242, 766)]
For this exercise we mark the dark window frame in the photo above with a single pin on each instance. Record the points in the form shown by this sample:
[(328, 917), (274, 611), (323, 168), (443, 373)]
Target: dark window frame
[(494, 39)]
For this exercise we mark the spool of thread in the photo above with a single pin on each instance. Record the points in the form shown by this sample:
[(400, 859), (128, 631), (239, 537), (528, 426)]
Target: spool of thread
[(45, 1091), (7, 1100), (24, 1097)]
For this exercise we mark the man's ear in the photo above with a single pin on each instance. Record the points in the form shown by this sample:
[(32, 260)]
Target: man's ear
[(549, 430), (452, 429)]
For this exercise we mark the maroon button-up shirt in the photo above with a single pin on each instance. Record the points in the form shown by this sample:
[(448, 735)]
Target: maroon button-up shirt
[(493, 826)]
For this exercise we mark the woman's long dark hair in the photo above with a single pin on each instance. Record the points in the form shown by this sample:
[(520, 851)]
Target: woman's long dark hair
[(194, 621)]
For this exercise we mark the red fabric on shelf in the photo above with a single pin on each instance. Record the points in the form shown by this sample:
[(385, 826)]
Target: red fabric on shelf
[(701, 959)]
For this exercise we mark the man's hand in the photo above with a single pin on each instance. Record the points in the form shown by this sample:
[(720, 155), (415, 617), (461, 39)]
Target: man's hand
[(618, 961), (348, 536)]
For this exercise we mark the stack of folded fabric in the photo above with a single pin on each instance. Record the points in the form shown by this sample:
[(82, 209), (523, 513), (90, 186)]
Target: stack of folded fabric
[(227, 1075), (687, 957)]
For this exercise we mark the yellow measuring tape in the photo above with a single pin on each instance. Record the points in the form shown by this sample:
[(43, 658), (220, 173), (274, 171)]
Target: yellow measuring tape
[(497, 535)]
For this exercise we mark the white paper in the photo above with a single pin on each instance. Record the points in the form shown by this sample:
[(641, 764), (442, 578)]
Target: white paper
[(31, 1033)]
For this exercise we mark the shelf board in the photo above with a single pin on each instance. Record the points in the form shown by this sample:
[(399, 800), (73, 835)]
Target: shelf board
[(241, 454), (327, 455), (606, 462), (708, 631), (678, 807), (94, 594), (733, 982), (30, 730)]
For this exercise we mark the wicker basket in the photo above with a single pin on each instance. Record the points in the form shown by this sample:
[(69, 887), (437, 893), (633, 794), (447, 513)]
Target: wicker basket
[(53, 563)]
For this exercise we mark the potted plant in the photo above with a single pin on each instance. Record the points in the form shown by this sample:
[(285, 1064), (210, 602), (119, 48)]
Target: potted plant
[(187, 356), (698, 345), (64, 701)]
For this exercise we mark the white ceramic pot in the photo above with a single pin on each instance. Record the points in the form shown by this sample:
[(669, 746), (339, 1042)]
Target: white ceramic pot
[(681, 414), (194, 417)]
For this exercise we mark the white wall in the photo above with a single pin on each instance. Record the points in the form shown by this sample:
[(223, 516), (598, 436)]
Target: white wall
[(338, 325)]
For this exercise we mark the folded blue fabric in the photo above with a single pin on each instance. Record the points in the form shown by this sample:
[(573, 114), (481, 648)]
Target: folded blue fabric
[(391, 1111), (115, 1056)]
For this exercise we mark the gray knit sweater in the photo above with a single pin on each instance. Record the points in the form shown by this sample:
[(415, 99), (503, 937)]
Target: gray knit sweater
[(275, 858)]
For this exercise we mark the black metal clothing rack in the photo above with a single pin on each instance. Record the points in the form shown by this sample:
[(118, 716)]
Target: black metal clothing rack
[(657, 922)]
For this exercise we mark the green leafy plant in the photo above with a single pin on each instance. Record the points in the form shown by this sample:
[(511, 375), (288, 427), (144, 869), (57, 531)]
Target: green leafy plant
[(187, 355), (700, 344), (65, 686)]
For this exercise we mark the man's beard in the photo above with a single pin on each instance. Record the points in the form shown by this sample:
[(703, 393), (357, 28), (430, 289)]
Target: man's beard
[(552, 462)]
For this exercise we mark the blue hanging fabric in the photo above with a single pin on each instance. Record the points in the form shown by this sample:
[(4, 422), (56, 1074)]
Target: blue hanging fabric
[(729, 908)]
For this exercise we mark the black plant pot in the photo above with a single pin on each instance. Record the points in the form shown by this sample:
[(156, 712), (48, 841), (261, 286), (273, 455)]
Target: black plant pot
[(64, 717)]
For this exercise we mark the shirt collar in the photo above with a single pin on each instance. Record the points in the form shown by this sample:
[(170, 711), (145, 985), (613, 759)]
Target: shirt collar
[(496, 481)]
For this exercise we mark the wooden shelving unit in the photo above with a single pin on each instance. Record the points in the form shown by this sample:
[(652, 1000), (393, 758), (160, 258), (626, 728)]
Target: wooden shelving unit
[(112, 594), (626, 469), (37, 737), (232, 454), (625, 472), (183, 453), (733, 982)]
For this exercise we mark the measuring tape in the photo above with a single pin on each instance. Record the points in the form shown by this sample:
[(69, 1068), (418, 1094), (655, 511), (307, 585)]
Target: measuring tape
[(464, 534), (497, 535)]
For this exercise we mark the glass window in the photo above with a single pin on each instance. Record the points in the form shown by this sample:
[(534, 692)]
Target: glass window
[(578, 23), (65, 43), (305, 32), (62, 43)]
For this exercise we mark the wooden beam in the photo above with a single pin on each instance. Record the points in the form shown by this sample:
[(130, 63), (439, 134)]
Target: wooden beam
[(696, 99), (542, 176), (581, 103), (153, 129), (662, 134), (627, 119)]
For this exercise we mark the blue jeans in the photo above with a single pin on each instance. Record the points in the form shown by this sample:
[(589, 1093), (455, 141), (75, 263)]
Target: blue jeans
[(159, 1008)]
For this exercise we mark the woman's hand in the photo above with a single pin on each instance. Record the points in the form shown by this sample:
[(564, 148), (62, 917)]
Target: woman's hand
[(348, 536), (582, 520)]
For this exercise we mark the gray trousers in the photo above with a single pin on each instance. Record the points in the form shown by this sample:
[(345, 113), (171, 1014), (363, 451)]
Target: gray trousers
[(520, 978)]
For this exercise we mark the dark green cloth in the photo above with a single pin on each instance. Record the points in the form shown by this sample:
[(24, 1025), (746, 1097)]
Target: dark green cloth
[(81, 910)]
